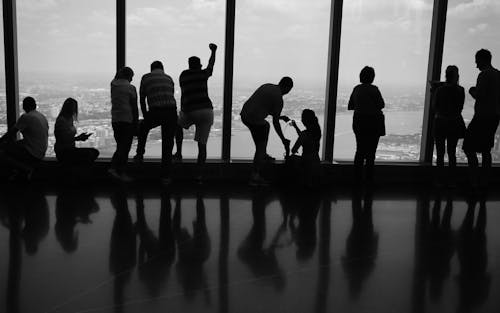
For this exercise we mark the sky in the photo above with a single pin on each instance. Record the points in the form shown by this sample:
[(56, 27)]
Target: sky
[(273, 38)]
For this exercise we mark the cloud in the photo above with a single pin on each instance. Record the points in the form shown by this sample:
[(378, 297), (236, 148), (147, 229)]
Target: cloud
[(474, 9), (478, 28)]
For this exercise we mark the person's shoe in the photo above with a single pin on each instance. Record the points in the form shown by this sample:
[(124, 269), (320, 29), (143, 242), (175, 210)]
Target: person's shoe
[(177, 157), (268, 158), (138, 158), (114, 174), (125, 178)]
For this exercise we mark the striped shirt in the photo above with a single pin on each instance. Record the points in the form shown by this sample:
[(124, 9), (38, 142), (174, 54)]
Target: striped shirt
[(194, 90), (158, 88)]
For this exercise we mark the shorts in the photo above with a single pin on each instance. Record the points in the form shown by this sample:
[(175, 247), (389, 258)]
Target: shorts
[(202, 119), (480, 134), (260, 132)]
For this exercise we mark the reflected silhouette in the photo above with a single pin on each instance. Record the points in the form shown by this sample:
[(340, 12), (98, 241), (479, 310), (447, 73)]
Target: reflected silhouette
[(261, 262), (122, 258), (156, 254), (473, 281), (223, 255), (15, 259), (36, 220), (72, 207), (361, 245), (193, 251), (321, 302), (300, 211), (441, 247)]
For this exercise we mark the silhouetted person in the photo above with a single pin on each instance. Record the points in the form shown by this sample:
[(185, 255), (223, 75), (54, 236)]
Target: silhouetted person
[(124, 119), (262, 262), (473, 281), (23, 155), (158, 108), (122, 258), (367, 123), (156, 253), (193, 251), (65, 133), (72, 207), (196, 106), (480, 133), (309, 141), (449, 124), (361, 245), (266, 100)]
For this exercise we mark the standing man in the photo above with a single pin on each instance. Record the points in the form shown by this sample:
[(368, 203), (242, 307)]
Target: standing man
[(266, 100), (480, 134), (196, 106), (26, 153), (157, 89)]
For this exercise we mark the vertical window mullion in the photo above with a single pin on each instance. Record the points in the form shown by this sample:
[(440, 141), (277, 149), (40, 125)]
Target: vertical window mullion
[(332, 79), (121, 14), (228, 80), (11, 69)]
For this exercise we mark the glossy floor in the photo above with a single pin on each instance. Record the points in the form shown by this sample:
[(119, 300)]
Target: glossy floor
[(233, 249)]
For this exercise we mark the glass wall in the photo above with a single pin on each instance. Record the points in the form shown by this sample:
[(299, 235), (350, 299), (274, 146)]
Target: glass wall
[(471, 26), (393, 37), (171, 32), (67, 49), (276, 38)]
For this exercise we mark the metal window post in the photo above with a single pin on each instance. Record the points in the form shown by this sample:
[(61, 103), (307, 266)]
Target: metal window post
[(227, 115), (433, 74), (11, 70), (332, 79), (121, 15)]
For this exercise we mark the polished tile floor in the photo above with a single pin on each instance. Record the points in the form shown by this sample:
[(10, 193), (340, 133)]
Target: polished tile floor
[(234, 249)]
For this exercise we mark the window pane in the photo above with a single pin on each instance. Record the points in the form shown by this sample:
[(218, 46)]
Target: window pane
[(171, 32), (276, 38), (471, 26), (393, 37), (3, 103), (67, 49)]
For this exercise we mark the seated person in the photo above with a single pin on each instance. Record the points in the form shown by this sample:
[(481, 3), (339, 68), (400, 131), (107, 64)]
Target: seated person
[(65, 133), (24, 154), (309, 138)]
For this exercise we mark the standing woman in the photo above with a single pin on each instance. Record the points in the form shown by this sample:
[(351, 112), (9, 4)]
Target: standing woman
[(124, 118), (449, 124), (368, 123), (65, 133)]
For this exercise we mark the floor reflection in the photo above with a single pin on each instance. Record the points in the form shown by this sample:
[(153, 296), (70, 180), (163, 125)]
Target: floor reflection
[(220, 251)]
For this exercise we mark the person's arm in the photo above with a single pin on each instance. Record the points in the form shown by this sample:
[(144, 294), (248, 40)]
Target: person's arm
[(380, 100), (277, 128), (298, 144), (142, 94), (211, 61), (10, 134), (461, 100), (133, 103), (350, 105), (297, 129)]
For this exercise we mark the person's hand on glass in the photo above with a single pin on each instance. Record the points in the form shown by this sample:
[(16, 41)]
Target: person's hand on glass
[(212, 46), (286, 143)]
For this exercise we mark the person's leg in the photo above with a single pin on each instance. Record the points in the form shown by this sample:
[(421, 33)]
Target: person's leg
[(203, 121), (440, 142), (168, 132), (127, 145), (370, 156), (484, 173), (179, 134), (259, 134), (117, 155), (452, 157), (359, 158), (473, 167), (83, 155)]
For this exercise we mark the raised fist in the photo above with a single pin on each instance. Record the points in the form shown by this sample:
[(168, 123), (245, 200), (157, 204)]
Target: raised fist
[(212, 46)]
